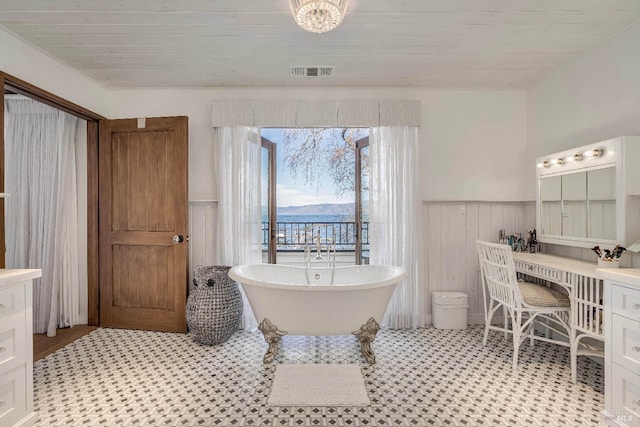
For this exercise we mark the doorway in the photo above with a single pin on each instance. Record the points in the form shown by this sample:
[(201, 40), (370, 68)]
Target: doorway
[(46, 208), (315, 195), (13, 85), (143, 223), (18, 86)]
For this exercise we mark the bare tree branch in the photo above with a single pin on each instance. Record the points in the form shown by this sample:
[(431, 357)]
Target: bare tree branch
[(318, 153)]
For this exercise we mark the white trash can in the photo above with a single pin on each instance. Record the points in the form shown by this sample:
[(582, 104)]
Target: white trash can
[(449, 310)]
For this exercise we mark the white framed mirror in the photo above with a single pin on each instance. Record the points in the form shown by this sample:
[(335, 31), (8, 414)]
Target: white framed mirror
[(601, 199), (574, 204), (551, 206), (590, 195)]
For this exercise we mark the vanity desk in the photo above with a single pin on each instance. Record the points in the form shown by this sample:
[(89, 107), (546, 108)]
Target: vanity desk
[(585, 291), (16, 347), (590, 196), (622, 346)]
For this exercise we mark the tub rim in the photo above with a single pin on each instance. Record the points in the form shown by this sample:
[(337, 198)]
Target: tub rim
[(400, 274)]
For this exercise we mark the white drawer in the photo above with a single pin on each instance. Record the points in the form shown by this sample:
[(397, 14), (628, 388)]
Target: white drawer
[(539, 271), (625, 301), (13, 396), (625, 343), (12, 343), (625, 387), (12, 300)]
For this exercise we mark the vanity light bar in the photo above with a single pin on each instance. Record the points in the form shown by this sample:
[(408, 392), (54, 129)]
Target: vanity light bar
[(594, 153), (544, 164), (575, 158)]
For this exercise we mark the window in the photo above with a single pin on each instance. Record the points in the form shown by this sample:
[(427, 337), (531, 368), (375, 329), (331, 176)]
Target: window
[(315, 193)]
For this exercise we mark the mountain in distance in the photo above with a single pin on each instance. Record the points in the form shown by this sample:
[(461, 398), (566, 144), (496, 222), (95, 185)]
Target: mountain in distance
[(319, 209)]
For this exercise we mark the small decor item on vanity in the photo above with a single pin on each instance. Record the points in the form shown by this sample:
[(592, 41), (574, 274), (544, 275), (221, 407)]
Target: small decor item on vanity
[(532, 242), (607, 258), (214, 307), (515, 240)]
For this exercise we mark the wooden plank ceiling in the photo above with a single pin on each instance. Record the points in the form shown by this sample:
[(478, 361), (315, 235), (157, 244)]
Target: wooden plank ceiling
[(483, 44)]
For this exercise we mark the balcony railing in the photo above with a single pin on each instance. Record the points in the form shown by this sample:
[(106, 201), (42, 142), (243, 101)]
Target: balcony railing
[(292, 236)]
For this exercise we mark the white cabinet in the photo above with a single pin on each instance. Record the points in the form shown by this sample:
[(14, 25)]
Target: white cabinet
[(590, 195), (16, 347), (622, 346)]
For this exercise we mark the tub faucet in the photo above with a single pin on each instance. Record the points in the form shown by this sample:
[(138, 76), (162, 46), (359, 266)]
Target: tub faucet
[(331, 250), (318, 246), (307, 256)]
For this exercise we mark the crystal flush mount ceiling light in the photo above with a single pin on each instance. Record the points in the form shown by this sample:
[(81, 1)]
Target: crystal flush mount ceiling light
[(318, 16)]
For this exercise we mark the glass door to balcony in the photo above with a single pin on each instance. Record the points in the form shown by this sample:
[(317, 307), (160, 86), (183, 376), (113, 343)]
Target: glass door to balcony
[(315, 194), (362, 201), (268, 198)]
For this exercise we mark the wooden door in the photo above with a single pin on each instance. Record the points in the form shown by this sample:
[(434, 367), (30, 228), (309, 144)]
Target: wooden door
[(142, 208)]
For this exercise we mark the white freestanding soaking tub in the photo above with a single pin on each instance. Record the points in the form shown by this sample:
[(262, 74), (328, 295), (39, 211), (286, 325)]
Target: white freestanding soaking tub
[(318, 301)]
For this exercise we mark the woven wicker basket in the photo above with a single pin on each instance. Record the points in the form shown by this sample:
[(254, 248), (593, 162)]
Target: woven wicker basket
[(214, 308)]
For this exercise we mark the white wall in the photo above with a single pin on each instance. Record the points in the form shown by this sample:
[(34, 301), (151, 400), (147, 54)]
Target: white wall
[(477, 145), (594, 98), (27, 63), (474, 142), (474, 146)]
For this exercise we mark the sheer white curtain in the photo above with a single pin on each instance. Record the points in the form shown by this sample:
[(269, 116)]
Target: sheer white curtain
[(42, 211), (395, 230), (239, 212)]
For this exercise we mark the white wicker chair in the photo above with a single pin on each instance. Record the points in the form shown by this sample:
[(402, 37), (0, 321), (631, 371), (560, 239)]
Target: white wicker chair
[(527, 304)]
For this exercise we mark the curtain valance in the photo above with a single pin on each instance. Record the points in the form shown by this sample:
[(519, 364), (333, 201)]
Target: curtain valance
[(316, 113)]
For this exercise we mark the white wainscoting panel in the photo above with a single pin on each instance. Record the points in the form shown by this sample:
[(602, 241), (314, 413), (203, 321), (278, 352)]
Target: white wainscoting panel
[(202, 234), (450, 232), (628, 260)]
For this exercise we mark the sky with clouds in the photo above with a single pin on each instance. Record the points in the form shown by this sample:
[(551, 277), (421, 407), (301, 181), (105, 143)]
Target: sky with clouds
[(292, 191)]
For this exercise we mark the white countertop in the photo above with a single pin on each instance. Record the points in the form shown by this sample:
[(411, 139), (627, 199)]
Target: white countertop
[(583, 268), (9, 277), (627, 276)]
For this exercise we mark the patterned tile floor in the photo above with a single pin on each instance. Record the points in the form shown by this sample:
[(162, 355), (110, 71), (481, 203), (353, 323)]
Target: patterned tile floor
[(424, 377)]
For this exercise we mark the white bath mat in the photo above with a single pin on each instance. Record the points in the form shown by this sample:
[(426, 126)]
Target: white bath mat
[(318, 385)]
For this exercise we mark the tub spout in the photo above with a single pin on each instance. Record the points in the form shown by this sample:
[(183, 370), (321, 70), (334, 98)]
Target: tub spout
[(272, 335), (366, 334)]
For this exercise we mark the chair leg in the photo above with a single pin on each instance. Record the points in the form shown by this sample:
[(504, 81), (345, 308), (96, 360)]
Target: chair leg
[(486, 335), (516, 329), (574, 361), (532, 332), (487, 322), (505, 322)]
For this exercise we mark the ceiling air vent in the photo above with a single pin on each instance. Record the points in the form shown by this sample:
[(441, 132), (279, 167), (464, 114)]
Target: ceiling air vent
[(309, 71)]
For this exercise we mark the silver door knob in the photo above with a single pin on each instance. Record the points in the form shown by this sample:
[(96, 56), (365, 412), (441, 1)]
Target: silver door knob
[(178, 239)]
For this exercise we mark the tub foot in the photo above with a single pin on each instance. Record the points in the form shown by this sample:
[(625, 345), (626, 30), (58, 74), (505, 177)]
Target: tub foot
[(366, 334), (272, 335)]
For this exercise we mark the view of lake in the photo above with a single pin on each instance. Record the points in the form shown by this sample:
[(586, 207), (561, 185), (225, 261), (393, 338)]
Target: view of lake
[(318, 213), (315, 218), (294, 225), (314, 196)]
